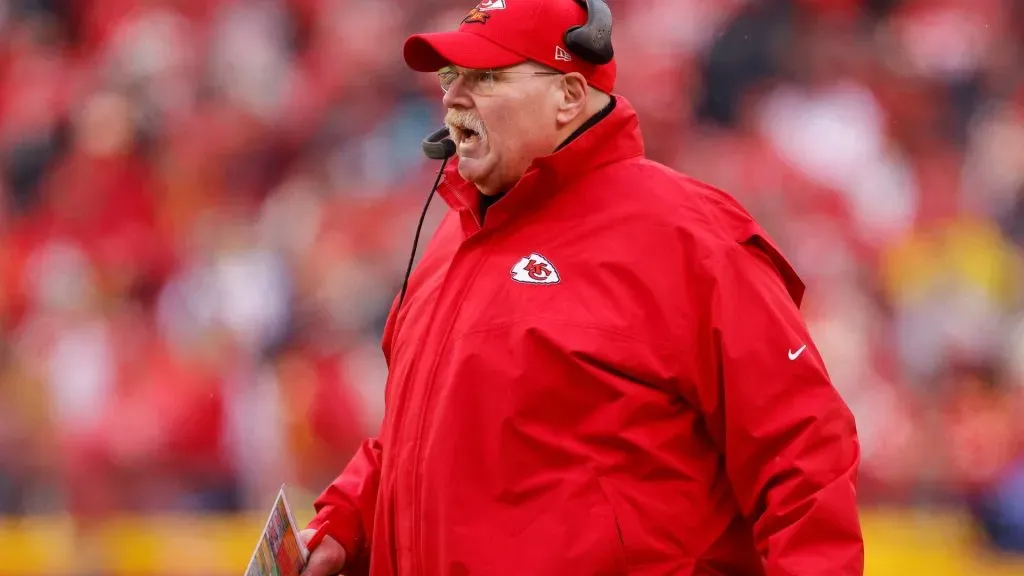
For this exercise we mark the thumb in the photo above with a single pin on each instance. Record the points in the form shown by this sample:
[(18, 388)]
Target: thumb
[(305, 536), (326, 559)]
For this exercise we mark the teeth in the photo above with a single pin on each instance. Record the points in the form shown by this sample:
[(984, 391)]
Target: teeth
[(463, 129), (463, 133), (467, 134)]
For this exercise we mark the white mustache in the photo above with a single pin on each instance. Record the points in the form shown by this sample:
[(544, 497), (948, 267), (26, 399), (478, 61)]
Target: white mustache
[(460, 121)]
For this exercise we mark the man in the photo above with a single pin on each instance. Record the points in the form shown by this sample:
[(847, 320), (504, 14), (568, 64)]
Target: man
[(600, 366)]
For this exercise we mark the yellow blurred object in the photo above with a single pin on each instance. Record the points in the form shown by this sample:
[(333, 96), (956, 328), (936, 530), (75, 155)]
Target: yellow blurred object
[(905, 542), (969, 252), (898, 542), (137, 546)]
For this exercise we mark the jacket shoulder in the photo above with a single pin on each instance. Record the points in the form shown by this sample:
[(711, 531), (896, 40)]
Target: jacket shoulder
[(712, 215), (707, 222)]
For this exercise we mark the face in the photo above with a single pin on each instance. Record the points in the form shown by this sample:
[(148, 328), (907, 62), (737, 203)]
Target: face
[(502, 120)]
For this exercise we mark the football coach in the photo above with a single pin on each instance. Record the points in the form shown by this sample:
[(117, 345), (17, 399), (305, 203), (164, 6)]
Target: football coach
[(599, 366)]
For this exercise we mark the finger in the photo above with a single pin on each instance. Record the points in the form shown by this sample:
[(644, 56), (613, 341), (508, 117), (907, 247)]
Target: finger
[(317, 566)]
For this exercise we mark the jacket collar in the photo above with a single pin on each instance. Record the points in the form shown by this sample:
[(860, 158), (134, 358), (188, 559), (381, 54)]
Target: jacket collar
[(614, 138)]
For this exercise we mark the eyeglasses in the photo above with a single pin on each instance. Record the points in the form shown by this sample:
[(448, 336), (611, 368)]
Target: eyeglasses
[(480, 81)]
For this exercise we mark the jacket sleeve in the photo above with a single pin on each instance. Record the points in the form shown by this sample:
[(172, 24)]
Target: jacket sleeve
[(348, 504), (789, 440)]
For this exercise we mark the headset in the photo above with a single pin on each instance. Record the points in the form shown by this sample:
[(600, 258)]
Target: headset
[(591, 41)]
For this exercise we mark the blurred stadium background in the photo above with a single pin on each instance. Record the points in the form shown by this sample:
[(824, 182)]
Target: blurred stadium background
[(207, 206)]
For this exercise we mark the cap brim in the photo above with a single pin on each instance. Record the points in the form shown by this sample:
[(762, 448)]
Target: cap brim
[(431, 52)]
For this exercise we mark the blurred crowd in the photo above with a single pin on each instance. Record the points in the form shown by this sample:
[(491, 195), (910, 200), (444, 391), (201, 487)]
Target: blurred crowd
[(206, 207)]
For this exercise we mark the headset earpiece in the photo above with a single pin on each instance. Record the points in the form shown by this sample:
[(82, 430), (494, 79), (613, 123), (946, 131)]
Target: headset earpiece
[(593, 40)]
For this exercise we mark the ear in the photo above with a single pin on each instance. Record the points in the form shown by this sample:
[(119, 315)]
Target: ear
[(573, 100)]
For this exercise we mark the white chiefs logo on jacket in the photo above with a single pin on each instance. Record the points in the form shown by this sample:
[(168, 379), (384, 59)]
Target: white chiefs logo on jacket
[(535, 269), (491, 5)]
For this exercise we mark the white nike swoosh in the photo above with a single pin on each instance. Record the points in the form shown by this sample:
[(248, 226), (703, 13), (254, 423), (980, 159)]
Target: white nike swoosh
[(795, 355)]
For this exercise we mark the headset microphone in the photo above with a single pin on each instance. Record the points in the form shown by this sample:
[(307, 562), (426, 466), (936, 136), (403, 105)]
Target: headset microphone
[(439, 145)]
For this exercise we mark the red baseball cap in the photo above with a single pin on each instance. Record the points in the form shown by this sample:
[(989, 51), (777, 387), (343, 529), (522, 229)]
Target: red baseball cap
[(499, 33)]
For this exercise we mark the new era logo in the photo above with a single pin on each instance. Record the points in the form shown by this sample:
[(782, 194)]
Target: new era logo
[(487, 5), (561, 54), (535, 269)]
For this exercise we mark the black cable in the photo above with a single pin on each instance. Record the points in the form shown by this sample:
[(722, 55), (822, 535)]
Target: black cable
[(419, 228)]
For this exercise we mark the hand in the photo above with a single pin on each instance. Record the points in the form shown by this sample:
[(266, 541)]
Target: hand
[(328, 558)]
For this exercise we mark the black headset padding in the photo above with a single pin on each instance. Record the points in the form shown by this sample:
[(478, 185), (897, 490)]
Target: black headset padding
[(439, 145), (593, 40)]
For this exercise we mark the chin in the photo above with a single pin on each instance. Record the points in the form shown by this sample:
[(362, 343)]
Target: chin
[(475, 170)]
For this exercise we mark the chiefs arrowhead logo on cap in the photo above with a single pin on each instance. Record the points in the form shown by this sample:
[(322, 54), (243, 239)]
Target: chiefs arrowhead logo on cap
[(479, 15), (476, 16)]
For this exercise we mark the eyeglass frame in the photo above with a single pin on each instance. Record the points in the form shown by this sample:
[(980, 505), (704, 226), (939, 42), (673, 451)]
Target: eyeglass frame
[(493, 72)]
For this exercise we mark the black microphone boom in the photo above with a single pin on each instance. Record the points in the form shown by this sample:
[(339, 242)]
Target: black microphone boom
[(437, 146), (419, 228)]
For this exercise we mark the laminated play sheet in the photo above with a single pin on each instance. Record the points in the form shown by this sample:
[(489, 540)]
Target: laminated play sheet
[(279, 551)]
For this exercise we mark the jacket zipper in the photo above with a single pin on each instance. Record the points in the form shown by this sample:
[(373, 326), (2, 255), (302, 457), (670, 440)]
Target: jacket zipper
[(424, 417), (408, 395)]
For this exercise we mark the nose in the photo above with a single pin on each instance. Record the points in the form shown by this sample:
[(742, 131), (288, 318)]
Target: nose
[(457, 96)]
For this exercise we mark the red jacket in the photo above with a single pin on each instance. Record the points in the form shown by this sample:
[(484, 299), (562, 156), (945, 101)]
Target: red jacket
[(609, 376)]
